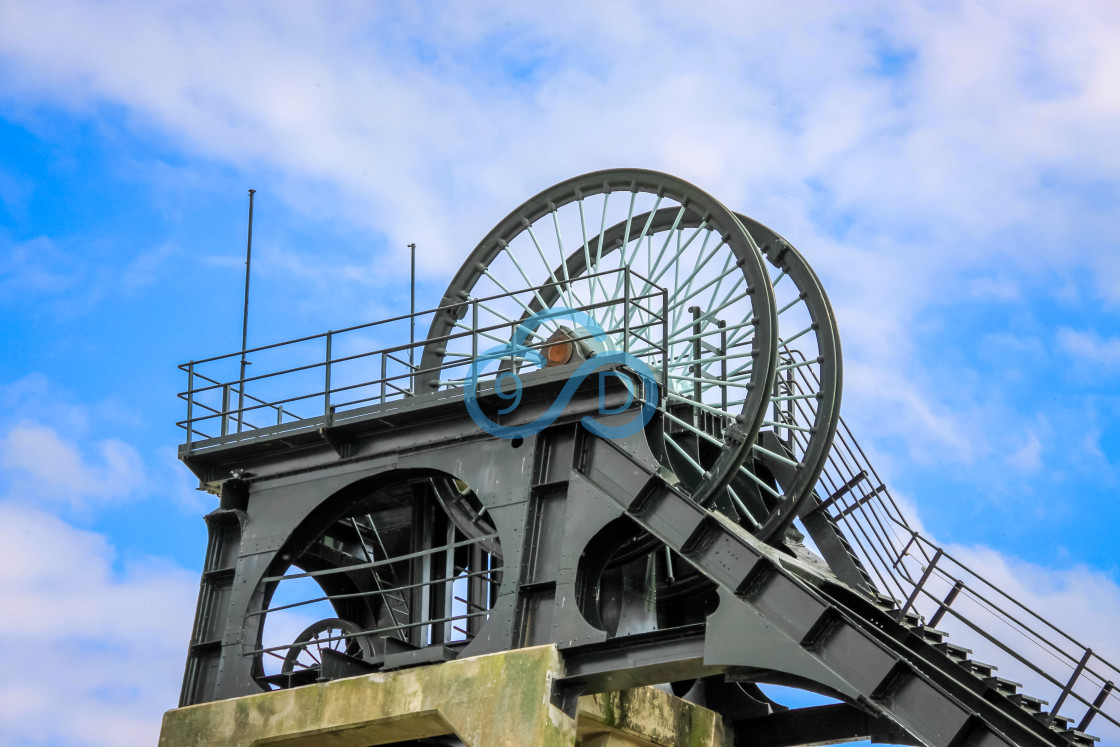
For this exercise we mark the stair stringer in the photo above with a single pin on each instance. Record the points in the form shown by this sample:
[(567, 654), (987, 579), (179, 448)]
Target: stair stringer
[(872, 660)]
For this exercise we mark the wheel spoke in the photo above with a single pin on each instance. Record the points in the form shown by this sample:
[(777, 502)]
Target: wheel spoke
[(786, 341), (693, 429), (528, 283), (758, 481), (680, 248), (724, 272), (587, 250), (685, 249), (560, 287), (564, 260), (710, 408), (742, 509), (625, 242), (779, 457)]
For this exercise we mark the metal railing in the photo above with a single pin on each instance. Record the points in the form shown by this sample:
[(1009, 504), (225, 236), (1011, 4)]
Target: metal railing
[(318, 379), (946, 593), (315, 379)]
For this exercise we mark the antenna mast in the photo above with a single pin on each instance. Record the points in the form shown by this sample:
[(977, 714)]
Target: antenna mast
[(245, 319), (412, 318)]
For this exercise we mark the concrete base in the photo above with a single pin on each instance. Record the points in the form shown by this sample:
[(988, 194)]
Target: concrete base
[(487, 701), (647, 717)]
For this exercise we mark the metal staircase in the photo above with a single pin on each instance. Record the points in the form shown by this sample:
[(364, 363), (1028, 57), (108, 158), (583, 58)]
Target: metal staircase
[(738, 537), (867, 648), (911, 572)]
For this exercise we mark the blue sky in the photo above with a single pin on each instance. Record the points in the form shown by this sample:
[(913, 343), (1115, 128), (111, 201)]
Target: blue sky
[(950, 169)]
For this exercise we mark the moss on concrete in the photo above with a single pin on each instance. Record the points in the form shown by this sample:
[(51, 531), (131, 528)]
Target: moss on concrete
[(487, 701), (649, 716)]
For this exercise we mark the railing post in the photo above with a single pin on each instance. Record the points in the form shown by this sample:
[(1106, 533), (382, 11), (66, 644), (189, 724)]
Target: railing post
[(949, 599), (664, 344), (412, 368), (790, 387), (190, 404), (901, 614), (383, 375), (906, 549), (241, 393), (1069, 685), (697, 350), (626, 310), (327, 383), (1096, 707), (225, 409), (723, 361), (474, 330)]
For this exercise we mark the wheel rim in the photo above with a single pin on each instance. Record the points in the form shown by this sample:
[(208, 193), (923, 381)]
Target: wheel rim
[(809, 364), (786, 461), (353, 564), (702, 256), (809, 378), (334, 634)]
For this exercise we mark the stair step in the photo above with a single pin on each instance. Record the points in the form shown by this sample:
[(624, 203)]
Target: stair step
[(912, 618), (932, 635), (785, 596), (886, 601), (981, 669), (1001, 685), (1031, 703), (1058, 723), (1079, 738), (957, 653)]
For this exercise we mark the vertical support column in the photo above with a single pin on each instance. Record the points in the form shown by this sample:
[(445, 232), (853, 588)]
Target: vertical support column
[(420, 608), (722, 361), (626, 312), (901, 613), (190, 404), (664, 343), (202, 672), (474, 331), (945, 605), (1095, 708), (1069, 685), (327, 383), (697, 350), (225, 409)]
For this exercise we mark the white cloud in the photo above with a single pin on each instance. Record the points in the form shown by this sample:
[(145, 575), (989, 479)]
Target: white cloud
[(888, 142), (1034, 610), (32, 395), (760, 100), (1090, 349), (1028, 458), (94, 641), (33, 268), (93, 655), (144, 269), (42, 464), (50, 455), (905, 189), (1003, 289), (1082, 603)]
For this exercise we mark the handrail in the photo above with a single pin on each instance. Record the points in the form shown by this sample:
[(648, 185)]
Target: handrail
[(858, 501), (394, 377), (384, 351), (426, 312)]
